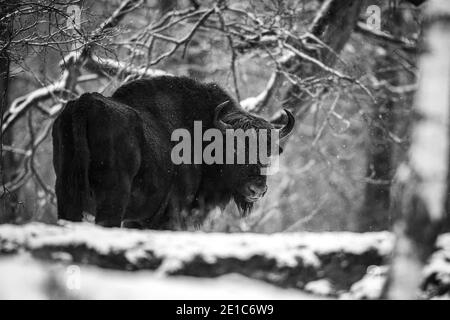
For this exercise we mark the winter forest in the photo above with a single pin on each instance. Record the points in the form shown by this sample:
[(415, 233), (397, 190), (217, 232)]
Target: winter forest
[(358, 209)]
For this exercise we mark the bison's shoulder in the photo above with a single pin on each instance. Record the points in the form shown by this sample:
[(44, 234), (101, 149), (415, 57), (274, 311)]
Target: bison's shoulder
[(172, 85)]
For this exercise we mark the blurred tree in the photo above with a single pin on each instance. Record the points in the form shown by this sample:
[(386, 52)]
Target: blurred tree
[(386, 117), (7, 201), (421, 189)]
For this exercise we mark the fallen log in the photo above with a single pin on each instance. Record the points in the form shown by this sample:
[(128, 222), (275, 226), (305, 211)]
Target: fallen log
[(329, 263)]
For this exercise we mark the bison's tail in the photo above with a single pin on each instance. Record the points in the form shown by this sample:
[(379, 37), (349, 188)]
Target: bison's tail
[(82, 154), (71, 160)]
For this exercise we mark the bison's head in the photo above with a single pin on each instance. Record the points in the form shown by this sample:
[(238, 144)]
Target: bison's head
[(248, 181)]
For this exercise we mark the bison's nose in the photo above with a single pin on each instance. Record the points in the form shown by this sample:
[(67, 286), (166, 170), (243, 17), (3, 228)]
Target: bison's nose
[(256, 190)]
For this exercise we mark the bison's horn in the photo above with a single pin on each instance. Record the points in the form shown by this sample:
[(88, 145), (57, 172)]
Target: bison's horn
[(217, 121), (286, 130)]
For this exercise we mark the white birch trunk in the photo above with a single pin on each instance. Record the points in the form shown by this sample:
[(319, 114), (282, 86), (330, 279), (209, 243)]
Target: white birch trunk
[(422, 182)]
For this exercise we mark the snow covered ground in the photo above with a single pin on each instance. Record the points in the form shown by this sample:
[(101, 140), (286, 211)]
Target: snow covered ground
[(25, 278), (200, 265)]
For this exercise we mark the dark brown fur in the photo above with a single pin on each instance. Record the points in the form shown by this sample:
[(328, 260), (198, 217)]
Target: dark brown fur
[(112, 155)]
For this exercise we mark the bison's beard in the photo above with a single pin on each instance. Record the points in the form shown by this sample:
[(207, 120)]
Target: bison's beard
[(244, 207)]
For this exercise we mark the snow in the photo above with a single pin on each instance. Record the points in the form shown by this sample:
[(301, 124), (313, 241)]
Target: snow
[(370, 286), (286, 249), (20, 281), (439, 264), (321, 287), (23, 277), (443, 242), (169, 253)]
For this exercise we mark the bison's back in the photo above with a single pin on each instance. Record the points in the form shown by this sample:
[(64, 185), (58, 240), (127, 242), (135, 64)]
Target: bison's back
[(174, 101)]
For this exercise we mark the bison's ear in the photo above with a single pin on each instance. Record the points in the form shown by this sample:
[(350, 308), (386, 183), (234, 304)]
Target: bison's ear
[(218, 123)]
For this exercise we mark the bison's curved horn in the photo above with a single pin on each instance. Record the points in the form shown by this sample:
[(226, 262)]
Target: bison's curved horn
[(286, 130), (217, 120)]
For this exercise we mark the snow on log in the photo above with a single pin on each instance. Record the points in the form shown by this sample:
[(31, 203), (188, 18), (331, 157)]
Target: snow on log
[(435, 282), (436, 273), (326, 264), (23, 277), (288, 260)]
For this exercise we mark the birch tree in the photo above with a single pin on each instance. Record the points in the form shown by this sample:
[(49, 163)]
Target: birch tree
[(421, 191)]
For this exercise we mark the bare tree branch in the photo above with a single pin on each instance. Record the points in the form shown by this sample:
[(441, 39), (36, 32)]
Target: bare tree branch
[(60, 90), (112, 67), (384, 37), (329, 31)]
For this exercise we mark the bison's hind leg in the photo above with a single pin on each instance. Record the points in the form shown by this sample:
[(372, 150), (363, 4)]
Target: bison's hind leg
[(112, 193), (68, 209), (69, 204)]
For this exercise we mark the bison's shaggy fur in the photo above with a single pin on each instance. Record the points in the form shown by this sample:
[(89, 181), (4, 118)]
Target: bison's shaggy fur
[(112, 155)]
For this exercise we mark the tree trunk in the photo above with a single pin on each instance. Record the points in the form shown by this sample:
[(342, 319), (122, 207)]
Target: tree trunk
[(420, 194), (381, 151), (7, 161), (374, 213)]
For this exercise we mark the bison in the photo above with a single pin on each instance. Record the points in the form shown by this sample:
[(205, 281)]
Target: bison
[(112, 155)]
